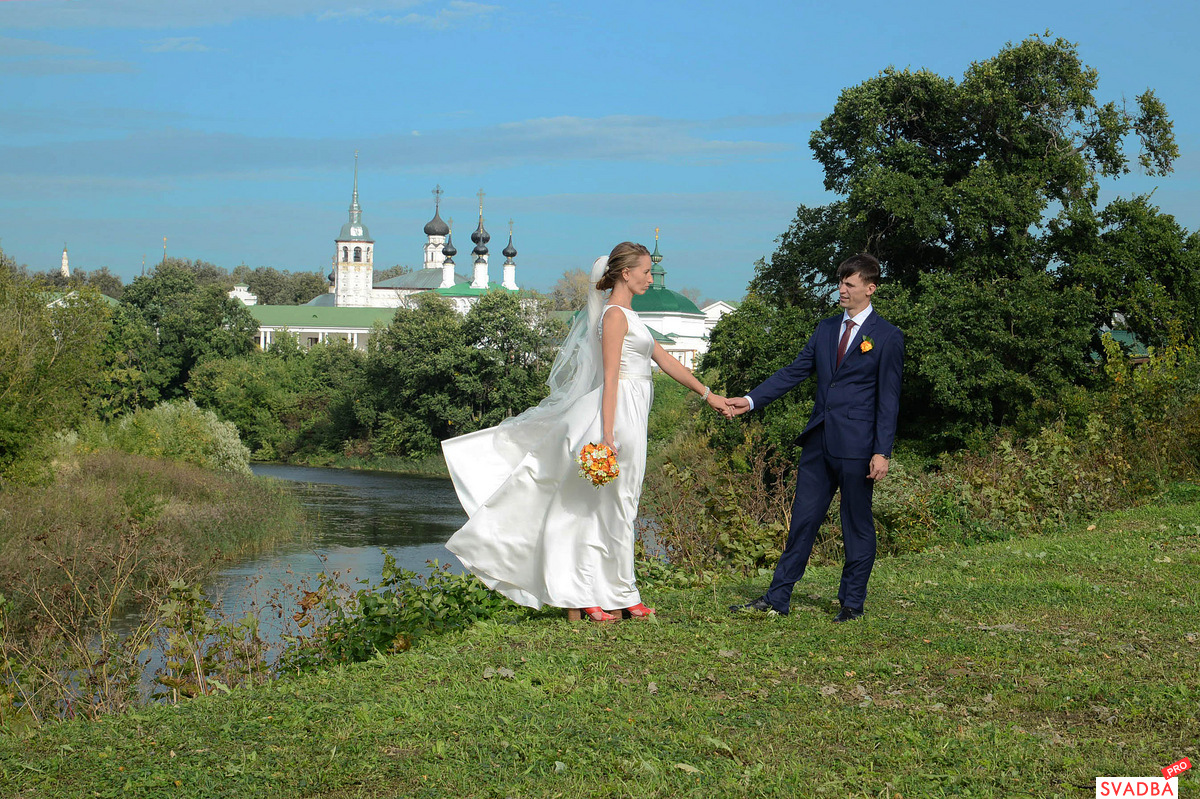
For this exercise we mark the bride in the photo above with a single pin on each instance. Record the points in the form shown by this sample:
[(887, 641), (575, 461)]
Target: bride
[(538, 532)]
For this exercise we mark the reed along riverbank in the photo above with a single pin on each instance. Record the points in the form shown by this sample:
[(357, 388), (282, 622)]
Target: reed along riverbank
[(113, 527)]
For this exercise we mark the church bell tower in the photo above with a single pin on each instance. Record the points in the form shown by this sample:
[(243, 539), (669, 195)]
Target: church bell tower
[(353, 273)]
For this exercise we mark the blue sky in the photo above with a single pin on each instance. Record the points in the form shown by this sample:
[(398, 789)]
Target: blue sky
[(229, 126)]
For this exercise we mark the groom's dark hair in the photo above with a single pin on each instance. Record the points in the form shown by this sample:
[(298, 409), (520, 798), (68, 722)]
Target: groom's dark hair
[(864, 265)]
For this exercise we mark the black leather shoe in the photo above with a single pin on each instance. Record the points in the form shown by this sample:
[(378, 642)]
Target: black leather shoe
[(848, 614), (761, 605)]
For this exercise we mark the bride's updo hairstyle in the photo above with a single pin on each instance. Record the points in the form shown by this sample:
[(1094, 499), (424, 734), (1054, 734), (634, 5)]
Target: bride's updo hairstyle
[(624, 256)]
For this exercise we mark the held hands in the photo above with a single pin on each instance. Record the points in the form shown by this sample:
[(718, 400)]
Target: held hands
[(734, 406), (716, 402)]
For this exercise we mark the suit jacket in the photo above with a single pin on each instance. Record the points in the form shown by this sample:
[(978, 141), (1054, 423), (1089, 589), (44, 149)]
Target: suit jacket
[(857, 402)]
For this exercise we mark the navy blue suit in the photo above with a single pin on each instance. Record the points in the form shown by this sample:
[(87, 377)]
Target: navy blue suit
[(854, 417)]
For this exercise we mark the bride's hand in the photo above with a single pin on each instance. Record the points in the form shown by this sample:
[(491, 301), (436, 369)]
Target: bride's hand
[(610, 441), (717, 403)]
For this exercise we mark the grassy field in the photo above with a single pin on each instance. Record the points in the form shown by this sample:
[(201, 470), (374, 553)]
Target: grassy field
[(1019, 669)]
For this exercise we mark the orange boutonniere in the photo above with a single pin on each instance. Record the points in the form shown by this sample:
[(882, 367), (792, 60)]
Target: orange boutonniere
[(867, 345), (598, 464)]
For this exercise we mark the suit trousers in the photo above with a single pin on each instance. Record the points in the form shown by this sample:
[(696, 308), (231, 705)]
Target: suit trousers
[(818, 476)]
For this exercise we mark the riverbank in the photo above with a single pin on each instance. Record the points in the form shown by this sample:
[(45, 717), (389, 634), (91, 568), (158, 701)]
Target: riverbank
[(1019, 668), (113, 527), (429, 466)]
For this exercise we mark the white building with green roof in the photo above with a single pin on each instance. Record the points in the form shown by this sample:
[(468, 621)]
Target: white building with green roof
[(673, 316), (355, 304)]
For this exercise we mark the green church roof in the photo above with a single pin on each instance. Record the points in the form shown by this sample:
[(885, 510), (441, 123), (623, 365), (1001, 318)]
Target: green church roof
[(464, 290), (660, 299), (300, 316)]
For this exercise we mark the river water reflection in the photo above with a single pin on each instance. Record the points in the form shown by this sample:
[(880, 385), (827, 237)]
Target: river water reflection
[(351, 516)]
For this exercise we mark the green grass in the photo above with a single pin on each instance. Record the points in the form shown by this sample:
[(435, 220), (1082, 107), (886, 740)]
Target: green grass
[(1021, 668)]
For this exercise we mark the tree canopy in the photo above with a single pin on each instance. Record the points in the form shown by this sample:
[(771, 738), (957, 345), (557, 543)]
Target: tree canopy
[(980, 198)]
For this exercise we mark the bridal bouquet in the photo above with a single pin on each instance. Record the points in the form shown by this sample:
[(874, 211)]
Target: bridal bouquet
[(598, 463)]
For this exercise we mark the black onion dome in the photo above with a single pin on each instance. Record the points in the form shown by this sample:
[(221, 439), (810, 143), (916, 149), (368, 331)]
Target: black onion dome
[(509, 251), (480, 249), (480, 236), (437, 226), (448, 249)]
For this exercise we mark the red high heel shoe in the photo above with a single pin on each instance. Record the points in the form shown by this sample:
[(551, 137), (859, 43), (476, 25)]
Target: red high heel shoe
[(591, 614), (638, 611)]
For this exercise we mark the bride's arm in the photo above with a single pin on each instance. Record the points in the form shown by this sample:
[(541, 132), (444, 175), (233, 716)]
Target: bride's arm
[(615, 326), (682, 375)]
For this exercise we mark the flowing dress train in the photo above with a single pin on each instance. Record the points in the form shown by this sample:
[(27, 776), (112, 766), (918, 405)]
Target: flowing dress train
[(538, 532)]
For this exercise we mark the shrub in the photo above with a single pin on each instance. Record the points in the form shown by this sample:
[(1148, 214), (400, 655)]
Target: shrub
[(387, 617), (176, 430)]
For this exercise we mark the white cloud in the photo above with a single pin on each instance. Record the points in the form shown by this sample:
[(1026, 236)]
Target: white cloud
[(38, 122), (453, 13), (31, 57), (172, 151), (176, 44), (23, 48), (172, 13), (64, 66)]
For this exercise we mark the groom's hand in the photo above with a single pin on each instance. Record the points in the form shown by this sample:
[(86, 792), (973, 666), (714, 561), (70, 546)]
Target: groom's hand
[(879, 467), (736, 406)]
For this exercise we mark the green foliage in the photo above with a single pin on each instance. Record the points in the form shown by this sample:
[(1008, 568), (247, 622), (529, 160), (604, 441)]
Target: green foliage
[(718, 501), (433, 374), (512, 347), (983, 353), (388, 617), (748, 346), (1137, 262), (177, 430), (203, 653), (413, 366), (281, 287), (111, 533), (49, 355), (193, 319), (131, 373), (979, 198)]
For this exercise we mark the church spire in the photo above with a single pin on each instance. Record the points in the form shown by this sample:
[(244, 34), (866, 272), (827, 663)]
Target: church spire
[(481, 238), (355, 209), (354, 230), (510, 266), (658, 275)]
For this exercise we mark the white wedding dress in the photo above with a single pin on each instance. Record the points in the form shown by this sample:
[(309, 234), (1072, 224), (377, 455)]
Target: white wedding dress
[(538, 532)]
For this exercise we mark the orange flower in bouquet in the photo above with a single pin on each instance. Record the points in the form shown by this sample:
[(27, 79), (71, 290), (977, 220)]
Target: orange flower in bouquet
[(598, 463)]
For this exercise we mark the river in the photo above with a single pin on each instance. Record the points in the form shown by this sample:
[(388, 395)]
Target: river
[(351, 516)]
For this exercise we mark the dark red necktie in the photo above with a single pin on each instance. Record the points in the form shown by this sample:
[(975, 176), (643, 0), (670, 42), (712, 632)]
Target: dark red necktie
[(845, 341)]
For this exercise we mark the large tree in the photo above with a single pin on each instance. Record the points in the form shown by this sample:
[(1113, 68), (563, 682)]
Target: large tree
[(979, 196), (49, 356), (191, 321)]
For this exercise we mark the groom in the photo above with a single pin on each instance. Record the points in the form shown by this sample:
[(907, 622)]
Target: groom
[(858, 358)]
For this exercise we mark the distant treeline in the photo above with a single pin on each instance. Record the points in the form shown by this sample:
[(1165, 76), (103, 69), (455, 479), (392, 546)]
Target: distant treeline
[(176, 334), (272, 286)]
